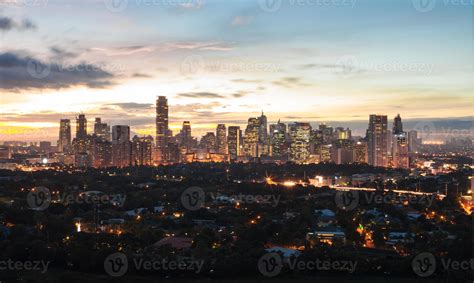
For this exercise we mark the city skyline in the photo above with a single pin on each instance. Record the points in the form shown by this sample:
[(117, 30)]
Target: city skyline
[(225, 69)]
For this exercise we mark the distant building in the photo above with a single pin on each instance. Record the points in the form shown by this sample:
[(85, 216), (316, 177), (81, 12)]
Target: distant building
[(162, 130), (5, 152), (64, 141), (278, 139), (81, 127), (233, 142), (299, 145), (142, 150), (101, 130), (121, 146), (377, 140), (251, 138), (221, 139)]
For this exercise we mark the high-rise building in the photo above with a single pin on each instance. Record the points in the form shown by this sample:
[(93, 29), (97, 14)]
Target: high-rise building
[(162, 130), (262, 129), (64, 142), (399, 145), (377, 140), (185, 138), (142, 150), (397, 125), (413, 141), (278, 139), (327, 133), (342, 134), (299, 136), (233, 142), (101, 130), (121, 146), (81, 127), (221, 139), (208, 142), (360, 152), (251, 138), (101, 153)]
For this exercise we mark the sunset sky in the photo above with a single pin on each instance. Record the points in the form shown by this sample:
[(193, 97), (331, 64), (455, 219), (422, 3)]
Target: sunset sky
[(225, 61)]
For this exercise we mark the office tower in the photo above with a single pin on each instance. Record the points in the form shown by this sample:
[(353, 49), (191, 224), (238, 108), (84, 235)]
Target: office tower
[(142, 150), (377, 140), (208, 142), (64, 142), (251, 138), (101, 153), (5, 152), (399, 145), (262, 130), (162, 131), (221, 139), (121, 147), (299, 141), (397, 125), (400, 151), (101, 130), (278, 139), (233, 142), (360, 152), (184, 137), (342, 134), (327, 133), (413, 141), (81, 127)]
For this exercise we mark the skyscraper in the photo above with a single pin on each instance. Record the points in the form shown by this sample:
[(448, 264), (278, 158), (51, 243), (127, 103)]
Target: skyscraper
[(377, 140), (221, 139), (208, 142), (233, 142), (121, 146), (299, 146), (101, 130), (397, 125), (142, 150), (81, 127), (399, 145), (251, 138), (64, 142), (278, 139), (162, 131)]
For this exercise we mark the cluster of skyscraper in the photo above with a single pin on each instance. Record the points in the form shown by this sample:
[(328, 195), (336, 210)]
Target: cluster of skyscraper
[(102, 148), (279, 142)]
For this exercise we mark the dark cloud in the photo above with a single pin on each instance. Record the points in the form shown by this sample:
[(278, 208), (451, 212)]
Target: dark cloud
[(7, 24), (200, 95), (290, 82), (140, 75), (19, 72), (60, 53), (131, 105)]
